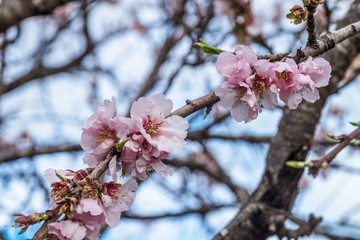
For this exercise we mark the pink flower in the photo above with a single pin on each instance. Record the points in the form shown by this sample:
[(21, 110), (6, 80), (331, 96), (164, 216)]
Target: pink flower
[(113, 206), (294, 86), (287, 75), (239, 99), (96, 212), (72, 230), (102, 131), (247, 53), (263, 85), (90, 211), (50, 175), (318, 69), (164, 133), (153, 136), (236, 67)]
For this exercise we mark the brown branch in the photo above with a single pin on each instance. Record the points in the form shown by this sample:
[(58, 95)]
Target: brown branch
[(320, 230), (242, 194), (196, 105), (162, 56), (324, 43), (310, 27), (195, 135), (204, 209), (30, 152), (327, 158), (12, 12), (43, 230), (329, 40), (250, 139), (279, 184), (350, 74), (306, 228), (42, 71)]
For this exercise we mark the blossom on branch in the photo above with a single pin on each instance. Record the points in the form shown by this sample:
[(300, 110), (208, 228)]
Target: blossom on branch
[(263, 85), (239, 99), (146, 138), (153, 135), (72, 230), (102, 131), (236, 67), (98, 204), (141, 142), (251, 83)]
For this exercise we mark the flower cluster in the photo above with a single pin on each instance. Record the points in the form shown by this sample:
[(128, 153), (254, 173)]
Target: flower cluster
[(148, 136), (99, 203), (252, 83), (141, 141)]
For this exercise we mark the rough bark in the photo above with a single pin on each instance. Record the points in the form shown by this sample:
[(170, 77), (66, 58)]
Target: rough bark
[(263, 215), (12, 12)]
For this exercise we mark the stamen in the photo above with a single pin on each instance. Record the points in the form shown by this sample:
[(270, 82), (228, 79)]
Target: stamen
[(106, 134), (285, 75), (240, 91), (152, 128)]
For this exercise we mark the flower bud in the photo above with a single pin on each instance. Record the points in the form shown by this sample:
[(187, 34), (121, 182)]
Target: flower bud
[(298, 14)]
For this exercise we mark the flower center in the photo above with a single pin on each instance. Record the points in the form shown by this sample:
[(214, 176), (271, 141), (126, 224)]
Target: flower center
[(285, 75), (240, 91), (152, 128), (260, 85), (104, 135)]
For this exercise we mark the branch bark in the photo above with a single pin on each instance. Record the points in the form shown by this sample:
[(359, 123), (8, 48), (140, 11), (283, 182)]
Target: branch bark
[(30, 152), (12, 12), (278, 187)]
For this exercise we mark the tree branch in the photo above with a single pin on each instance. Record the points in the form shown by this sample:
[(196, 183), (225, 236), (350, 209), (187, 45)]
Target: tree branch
[(33, 151), (12, 12), (204, 209), (278, 186)]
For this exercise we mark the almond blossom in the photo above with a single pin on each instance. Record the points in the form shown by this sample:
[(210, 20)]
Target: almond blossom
[(73, 230), (99, 203), (263, 85), (293, 85), (153, 135), (236, 67), (239, 99), (318, 69), (101, 132), (95, 211), (251, 83), (301, 82)]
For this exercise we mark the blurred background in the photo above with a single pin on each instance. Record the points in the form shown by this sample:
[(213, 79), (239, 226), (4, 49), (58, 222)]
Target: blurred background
[(56, 68)]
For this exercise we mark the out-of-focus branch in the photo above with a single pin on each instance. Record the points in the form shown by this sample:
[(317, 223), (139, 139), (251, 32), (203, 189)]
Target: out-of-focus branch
[(242, 194), (251, 139), (306, 228), (12, 12), (31, 152), (204, 209), (195, 135), (350, 74), (42, 71), (327, 158), (320, 230), (172, 40)]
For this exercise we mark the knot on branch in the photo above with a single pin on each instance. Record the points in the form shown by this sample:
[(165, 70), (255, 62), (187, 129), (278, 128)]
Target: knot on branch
[(328, 41), (304, 229)]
